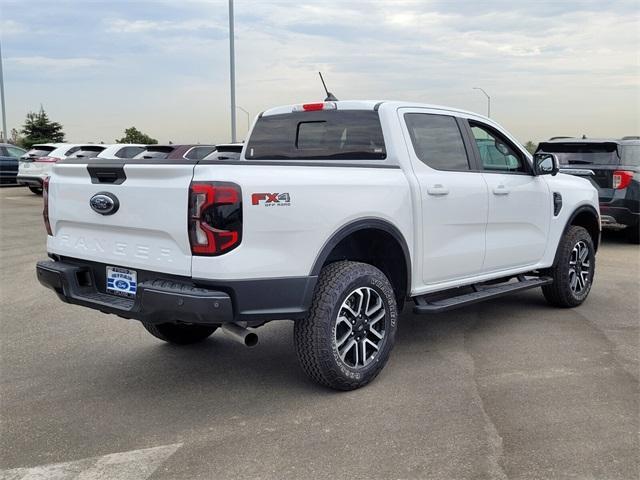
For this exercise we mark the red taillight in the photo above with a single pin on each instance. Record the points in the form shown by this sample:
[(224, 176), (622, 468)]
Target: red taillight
[(45, 209), (46, 159), (622, 179), (215, 217)]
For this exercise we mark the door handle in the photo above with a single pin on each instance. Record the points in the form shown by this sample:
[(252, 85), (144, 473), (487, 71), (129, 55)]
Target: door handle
[(437, 189), (501, 190)]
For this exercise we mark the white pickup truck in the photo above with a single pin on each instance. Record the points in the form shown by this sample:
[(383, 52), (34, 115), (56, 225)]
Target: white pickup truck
[(335, 215)]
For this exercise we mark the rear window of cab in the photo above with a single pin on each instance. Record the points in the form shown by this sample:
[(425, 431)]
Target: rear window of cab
[(318, 135)]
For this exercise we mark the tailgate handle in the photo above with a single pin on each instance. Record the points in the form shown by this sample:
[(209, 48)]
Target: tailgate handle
[(113, 175)]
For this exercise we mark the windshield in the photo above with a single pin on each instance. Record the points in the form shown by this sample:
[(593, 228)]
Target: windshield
[(318, 135), (583, 153)]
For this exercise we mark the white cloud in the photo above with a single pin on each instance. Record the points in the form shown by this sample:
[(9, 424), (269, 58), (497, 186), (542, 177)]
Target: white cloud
[(56, 63), (550, 67), (11, 27), (149, 26)]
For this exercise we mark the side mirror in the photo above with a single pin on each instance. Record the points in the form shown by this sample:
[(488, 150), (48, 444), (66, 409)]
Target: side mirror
[(545, 164)]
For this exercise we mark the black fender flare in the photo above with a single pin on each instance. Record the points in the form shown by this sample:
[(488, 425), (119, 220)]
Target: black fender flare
[(583, 208), (362, 224)]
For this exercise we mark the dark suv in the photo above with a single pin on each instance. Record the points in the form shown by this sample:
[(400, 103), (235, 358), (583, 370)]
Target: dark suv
[(613, 166)]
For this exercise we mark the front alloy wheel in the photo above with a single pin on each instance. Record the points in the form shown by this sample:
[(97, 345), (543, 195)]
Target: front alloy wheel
[(579, 268), (573, 269)]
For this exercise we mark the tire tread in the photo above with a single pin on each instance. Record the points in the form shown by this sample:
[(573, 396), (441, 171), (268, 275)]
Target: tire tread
[(559, 293), (314, 356)]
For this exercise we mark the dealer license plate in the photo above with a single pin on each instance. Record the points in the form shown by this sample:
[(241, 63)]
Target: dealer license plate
[(122, 282)]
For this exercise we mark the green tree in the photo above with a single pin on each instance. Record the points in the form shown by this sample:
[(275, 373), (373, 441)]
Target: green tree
[(531, 147), (39, 129), (16, 138), (133, 135)]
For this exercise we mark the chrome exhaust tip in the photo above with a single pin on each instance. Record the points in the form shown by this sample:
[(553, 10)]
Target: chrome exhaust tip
[(240, 334)]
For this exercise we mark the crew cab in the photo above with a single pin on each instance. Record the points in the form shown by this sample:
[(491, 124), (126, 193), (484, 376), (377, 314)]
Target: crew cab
[(335, 215)]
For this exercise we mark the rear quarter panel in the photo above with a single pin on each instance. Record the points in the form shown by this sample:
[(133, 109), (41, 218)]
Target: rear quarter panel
[(283, 239)]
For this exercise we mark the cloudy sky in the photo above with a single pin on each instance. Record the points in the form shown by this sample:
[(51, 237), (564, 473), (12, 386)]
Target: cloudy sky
[(551, 67)]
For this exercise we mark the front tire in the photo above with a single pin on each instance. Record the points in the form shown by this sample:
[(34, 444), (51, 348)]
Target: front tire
[(349, 332), (36, 190), (179, 333), (573, 271)]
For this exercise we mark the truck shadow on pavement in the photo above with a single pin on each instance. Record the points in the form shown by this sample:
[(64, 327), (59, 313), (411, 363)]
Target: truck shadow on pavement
[(220, 365)]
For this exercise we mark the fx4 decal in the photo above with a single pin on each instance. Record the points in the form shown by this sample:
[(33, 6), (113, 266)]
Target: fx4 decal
[(271, 199)]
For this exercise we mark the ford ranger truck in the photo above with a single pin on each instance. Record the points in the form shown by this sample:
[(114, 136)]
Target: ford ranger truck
[(334, 216)]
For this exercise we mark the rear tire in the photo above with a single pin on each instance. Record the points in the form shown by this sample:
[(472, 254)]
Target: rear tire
[(178, 333), (633, 234), (573, 271), (36, 190), (347, 336)]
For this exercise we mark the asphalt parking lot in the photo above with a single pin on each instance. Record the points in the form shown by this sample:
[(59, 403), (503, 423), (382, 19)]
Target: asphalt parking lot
[(507, 389)]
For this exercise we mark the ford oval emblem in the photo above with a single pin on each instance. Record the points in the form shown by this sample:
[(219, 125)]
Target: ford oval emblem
[(104, 203)]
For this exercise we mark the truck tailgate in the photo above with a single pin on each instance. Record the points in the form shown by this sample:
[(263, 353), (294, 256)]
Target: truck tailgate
[(149, 229)]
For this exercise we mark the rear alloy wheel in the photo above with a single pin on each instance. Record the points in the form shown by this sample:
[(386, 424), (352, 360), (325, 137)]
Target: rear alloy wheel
[(180, 333), (360, 327), (36, 190), (574, 269), (347, 337)]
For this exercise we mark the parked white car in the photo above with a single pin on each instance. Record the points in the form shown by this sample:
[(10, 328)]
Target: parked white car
[(334, 216), (37, 163)]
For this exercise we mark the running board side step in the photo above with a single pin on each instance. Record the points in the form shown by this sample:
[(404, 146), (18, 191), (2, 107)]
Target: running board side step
[(480, 293)]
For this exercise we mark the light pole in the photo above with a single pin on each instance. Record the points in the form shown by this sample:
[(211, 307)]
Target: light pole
[(232, 73), (248, 116), (488, 100), (5, 134)]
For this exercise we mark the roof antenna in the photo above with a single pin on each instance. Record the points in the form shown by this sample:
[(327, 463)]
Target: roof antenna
[(330, 96)]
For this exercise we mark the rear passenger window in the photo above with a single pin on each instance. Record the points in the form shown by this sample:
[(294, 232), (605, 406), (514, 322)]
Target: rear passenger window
[(437, 141)]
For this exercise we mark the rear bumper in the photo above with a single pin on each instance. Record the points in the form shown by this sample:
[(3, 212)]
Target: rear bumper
[(618, 216), (158, 301), (30, 181), (164, 298)]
